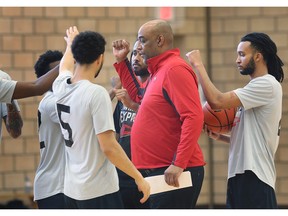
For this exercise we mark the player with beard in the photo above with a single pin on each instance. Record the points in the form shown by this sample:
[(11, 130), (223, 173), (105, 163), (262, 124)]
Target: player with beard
[(128, 78), (85, 114), (124, 116), (255, 134)]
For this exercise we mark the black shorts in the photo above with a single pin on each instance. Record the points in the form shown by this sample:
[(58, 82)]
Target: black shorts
[(247, 191), (185, 198), (108, 201), (52, 202)]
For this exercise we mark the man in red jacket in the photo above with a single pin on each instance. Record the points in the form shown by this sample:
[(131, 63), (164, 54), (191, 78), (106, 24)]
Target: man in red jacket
[(165, 133)]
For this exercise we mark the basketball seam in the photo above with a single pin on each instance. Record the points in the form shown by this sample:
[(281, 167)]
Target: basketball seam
[(221, 127)]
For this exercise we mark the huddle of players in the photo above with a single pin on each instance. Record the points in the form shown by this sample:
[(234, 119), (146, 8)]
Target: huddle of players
[(82, 170), (87, 128)]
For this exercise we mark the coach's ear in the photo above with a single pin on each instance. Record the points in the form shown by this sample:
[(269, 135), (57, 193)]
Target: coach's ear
[(160, 40)]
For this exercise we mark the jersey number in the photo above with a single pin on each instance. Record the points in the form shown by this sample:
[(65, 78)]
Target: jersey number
[(62, 108)]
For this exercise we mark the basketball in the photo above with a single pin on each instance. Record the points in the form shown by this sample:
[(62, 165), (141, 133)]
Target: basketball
[(220, 120)]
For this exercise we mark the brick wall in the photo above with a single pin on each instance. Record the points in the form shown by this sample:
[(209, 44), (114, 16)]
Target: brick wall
[(27, 32)]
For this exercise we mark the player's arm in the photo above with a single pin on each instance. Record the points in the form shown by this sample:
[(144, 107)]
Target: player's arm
[(67, 61), (114, 152), (129, 81), (215, 98), (216, 136), (13, 120), (124, 97), (224, 138), (116, 84), (37, 87)]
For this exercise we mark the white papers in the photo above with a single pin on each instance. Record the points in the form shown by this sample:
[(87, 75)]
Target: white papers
[(158, 184)]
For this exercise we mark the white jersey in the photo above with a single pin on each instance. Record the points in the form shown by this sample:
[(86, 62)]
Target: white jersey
[(255, 136), (49, 178), (7, 87), (85, 110), (3, 106)]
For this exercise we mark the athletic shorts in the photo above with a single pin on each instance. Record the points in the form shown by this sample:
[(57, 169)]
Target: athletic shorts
[(247, 191), (108, 201)]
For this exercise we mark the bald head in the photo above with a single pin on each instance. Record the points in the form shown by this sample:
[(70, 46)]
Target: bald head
[(160, 27), (156, 37)]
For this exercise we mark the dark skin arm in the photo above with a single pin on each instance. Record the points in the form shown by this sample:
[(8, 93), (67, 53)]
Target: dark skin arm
[(116, 84), (124, 97), (37, 87), (13, 121)]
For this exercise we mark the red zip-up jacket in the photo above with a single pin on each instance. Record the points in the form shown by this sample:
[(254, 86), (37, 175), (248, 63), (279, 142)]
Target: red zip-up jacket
[(170, 118), (129, 80)]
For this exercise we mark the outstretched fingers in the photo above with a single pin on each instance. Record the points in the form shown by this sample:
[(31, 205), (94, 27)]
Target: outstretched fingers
[(71, 33)]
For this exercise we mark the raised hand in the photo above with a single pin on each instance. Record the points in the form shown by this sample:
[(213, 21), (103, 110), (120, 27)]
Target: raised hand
[(194, 57), (67, 62), (121, 48), (124, 97), (71, 33)]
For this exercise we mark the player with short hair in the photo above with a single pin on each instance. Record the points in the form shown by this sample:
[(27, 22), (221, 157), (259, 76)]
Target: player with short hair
[(85, 113), (49, 178)]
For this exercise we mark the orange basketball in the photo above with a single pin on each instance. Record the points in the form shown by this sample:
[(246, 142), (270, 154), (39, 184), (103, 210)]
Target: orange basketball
[(220, 120)]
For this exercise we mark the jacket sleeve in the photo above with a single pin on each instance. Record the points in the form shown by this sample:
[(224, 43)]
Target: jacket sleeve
[(129, 80), (182, 88)]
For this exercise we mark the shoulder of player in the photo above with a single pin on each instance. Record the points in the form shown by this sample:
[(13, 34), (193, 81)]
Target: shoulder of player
[(4, 75)]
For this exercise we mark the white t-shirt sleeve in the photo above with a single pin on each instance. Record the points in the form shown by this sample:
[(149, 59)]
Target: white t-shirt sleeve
[(17, 105), (58, 86), (6, 76), (102, 111), (257, 92), (3, 109), (7, 88)]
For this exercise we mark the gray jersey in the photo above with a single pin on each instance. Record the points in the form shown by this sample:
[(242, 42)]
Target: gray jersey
[(7, 87), (255, 136), (85, 110), (49, 178), (3, 106)]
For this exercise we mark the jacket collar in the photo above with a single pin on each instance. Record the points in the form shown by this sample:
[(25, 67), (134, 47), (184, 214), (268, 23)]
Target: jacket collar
[(157, 62)]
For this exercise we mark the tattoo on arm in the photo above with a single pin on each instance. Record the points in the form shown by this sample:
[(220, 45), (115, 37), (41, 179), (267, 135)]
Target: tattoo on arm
[(13, 121)]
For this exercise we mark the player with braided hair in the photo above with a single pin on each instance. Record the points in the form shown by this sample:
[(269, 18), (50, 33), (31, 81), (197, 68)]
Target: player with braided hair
[(255, 134)]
